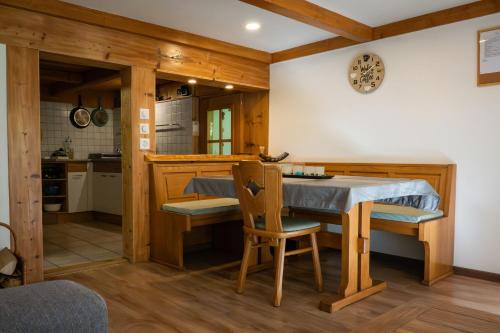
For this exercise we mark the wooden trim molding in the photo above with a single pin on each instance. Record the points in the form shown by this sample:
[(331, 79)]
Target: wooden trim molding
[(319, 17), (431, 20), (198, 158), (91, 16), (23, 127), (61, 36)]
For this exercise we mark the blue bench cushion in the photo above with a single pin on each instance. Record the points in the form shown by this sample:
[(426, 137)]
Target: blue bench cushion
[(202, 207), (403, 213), (290, 224)]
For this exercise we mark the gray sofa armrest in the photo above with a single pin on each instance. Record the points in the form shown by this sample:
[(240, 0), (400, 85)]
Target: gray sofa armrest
[(54, 306)]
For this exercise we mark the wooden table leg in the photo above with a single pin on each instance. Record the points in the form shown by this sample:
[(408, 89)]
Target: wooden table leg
[(355, 280)]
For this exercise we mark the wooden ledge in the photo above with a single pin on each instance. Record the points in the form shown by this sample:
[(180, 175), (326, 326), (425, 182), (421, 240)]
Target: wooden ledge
[(155, 158)]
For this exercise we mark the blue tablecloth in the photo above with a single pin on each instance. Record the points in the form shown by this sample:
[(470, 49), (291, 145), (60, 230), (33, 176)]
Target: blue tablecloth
[(340, 193)]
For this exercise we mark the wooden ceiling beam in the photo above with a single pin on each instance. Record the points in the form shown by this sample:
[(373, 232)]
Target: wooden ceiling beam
[(91, 16), (50, 75), (442, 17), (319, 17), (88, 85)]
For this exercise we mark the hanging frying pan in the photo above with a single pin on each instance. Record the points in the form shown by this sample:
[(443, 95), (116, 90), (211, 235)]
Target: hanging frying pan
[(100, 116), (79, 116)]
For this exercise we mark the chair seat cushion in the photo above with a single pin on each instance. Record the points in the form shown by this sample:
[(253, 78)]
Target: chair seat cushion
[(203, 207), (290, 224), (403, 213)]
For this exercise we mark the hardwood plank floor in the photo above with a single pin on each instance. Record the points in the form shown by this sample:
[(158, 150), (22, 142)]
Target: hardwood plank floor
[(151, 298)]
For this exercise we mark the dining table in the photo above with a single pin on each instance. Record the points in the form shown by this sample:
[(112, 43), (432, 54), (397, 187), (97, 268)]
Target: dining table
[(351, 197)]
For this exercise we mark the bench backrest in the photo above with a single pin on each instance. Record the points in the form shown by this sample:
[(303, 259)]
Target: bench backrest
[(168, 181), (440, 176)]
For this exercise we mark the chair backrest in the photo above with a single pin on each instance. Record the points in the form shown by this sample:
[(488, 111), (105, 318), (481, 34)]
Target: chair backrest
[(260, 190)]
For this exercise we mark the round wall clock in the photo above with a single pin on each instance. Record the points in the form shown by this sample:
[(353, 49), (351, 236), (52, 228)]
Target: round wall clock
[(366, 72)]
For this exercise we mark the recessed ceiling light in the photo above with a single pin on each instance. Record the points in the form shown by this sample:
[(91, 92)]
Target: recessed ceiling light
[(252, 26), (192, 81), (229, 86)]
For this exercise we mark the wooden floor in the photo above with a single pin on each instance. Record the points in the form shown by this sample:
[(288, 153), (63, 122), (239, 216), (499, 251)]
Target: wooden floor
[(152, 298)]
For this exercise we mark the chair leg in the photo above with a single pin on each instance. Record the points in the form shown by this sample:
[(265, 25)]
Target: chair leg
[(244, 264), (278, 279), (318, 278)]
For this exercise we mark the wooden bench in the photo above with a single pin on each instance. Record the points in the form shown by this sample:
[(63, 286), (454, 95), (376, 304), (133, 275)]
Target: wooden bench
[(175, 215), (434, 231)]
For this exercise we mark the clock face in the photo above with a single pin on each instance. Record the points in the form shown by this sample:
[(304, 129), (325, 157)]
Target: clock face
[(366, 73)]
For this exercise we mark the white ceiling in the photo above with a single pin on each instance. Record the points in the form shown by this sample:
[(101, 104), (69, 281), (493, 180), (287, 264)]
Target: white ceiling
[(379, 12), (225, 19)]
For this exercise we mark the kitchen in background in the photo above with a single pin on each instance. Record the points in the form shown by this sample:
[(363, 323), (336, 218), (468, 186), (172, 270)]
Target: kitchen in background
[(81, 164), (174, 126), (58, 130)]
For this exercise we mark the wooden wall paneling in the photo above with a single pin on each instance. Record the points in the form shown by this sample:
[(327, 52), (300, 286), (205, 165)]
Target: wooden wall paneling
[(58, 35), (25, 188), (137, 92), (256, 121), (107, 20), (319, 17)]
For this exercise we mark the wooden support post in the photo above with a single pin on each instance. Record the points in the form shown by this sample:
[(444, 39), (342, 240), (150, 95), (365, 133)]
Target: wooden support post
[(349, 276), (355, 281), (25, 188), (365, 210), (138, 91)]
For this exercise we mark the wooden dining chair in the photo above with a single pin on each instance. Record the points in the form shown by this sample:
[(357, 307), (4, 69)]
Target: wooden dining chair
[(260, 190)]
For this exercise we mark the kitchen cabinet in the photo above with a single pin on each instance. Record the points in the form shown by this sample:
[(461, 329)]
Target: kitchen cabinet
[(78, 192), (107, 192)]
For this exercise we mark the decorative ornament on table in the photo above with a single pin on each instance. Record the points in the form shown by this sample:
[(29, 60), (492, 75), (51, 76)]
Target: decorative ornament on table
[(267, 158)]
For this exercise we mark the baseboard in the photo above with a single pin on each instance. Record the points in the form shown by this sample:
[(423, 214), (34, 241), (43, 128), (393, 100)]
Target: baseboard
[(474, 273), (107, 218), (419, 265)]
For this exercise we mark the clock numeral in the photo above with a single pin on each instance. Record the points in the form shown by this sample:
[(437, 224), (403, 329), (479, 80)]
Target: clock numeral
[(355, 82), (355, 68), (359, 61), (377, 64)]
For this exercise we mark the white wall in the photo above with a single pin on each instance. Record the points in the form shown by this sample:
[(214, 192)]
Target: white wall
[(427, 110), (4, 176)]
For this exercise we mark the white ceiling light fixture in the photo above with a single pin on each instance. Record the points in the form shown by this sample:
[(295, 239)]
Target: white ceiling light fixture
[(252, 26), (229, 86), (192, 81)]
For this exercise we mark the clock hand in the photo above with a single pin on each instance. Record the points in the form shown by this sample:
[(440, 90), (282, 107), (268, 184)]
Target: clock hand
[(369, 69)]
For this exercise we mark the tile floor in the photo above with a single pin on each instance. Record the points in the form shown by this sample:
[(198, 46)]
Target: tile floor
[(77, 243)]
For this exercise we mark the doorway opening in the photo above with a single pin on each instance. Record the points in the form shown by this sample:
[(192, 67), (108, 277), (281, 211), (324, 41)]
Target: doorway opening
[(80, 121)]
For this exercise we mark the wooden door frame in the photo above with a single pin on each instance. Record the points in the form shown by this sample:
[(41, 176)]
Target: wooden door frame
[(24, 144)]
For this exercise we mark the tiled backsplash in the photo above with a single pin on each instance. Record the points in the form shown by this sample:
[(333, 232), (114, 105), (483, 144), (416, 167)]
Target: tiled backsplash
[(171, 140), (56, 127)]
